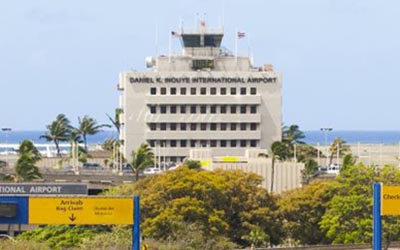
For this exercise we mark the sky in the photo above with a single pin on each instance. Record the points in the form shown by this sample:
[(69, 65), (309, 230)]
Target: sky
[(338, 58)]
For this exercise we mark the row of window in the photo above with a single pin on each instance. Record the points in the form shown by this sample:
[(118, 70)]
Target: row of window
[(203, 143), (203, 91), (202, 126), (203, 109)]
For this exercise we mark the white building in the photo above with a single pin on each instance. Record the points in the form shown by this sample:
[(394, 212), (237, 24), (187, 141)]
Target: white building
[(204, 97)]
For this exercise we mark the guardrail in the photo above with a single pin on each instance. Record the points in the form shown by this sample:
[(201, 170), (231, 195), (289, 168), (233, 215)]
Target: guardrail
[(392, 245)]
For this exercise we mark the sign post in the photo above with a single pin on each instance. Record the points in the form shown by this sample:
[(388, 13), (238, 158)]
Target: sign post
[(136, 224), (377, 219)]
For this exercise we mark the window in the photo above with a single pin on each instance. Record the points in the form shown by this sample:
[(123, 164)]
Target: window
[(203, 143), (173, 91), (193, 109), (203, 109), (213, 109), (153, 91), (173, 143), (163, 126), (192, 91), (183, 109), (243, 91), (192, 143), (233, 91), (233, 109), (223, 126), (213, 126), (153, 109), (243, 143), (253, 109), (213, 143), (172, 126), (223, 109), (183, 143), (153, 126), (193, 126), (233, 143), (203, 126), (152, 143), (213, 91), (253, 143), (253, 91), (243, 126), (233, 126), (163, 109), (173, 109), (183, 126), (223, 143), (183, 91), (203, 91), (253, 126), (243, 109), (223, 91), (163, 91)]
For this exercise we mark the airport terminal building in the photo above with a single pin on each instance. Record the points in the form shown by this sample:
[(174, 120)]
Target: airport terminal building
[(206, 97)]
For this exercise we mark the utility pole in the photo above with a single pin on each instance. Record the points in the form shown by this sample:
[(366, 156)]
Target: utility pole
[(326, 130)]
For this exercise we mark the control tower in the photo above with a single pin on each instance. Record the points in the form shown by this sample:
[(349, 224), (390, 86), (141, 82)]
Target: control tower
[(205, 97)]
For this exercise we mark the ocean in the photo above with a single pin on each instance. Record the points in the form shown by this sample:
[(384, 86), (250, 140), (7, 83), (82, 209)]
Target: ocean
[(312, 137)]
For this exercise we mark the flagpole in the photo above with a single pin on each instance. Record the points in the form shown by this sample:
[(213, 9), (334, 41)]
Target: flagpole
[(236, 44), (169, 48)]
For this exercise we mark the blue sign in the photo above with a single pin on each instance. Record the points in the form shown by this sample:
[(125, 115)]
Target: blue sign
[(9, 216)]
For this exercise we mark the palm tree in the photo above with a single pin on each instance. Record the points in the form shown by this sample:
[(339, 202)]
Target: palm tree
[(338, 145), (25, 169), (88, 126), (141, 159), (58, 131), (292, 135), (279, 151), (116, 121)]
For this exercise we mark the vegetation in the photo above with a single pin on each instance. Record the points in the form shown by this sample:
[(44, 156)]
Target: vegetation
[(338, 147), (116, 121), (141, 159), (223, 205), (192, 164), (88, 126), (25, 169), (58, 131)]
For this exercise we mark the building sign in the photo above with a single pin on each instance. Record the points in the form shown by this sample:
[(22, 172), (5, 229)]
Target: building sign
[(390, 200), (202, 79), (80, 210), (42, 189)]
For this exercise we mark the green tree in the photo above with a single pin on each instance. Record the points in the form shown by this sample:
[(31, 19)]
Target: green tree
[(192, 164), (25, 169), (58, 131), (348, 218), (348, 160), (279, 151), (141, 159), (302, 210), (116, 121), (88, 126), (220, 203), (292, 135), (338, 145)]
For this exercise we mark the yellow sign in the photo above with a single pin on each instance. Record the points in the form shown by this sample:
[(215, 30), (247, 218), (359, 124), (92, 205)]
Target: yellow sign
[(80, 210), (230, 159), (390, 200), (205, 163)]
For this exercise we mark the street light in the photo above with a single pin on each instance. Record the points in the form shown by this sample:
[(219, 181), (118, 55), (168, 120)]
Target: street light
[(6, 130), (326, 130)]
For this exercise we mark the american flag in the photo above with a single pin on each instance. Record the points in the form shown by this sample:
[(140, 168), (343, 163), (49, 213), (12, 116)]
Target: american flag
[(175, 34), (241, 34)]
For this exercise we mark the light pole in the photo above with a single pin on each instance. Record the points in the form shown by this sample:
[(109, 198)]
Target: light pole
[(326, 130), (6, 130)]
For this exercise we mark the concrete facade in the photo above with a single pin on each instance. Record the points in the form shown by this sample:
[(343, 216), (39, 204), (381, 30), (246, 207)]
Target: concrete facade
[(204, 98)]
